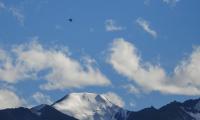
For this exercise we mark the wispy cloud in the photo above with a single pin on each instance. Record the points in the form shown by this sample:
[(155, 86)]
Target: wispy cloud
[(17, 13), (111, 26), (62, 71), (145, 25), (167, 2), (125, 60), (171, 2), (40, 98), (2, 5), (131, 89)]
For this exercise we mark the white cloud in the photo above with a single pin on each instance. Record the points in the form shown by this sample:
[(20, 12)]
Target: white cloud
[(131, 89), (187, 72), (146, 27), (111, 26), (8, 71), (61, 71), (125, 60), (9, 99), (88, 60), (17, 13), (171, 2), (40, 98), (114, 98)]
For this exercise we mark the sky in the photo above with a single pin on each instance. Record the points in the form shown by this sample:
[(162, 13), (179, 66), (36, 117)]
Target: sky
[(138, 53)]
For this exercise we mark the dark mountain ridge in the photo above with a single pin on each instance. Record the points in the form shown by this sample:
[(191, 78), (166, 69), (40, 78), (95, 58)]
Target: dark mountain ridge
[(45, 113), (188, 110)]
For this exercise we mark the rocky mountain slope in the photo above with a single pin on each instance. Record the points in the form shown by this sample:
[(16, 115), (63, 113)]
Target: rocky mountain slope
[(90, 106)]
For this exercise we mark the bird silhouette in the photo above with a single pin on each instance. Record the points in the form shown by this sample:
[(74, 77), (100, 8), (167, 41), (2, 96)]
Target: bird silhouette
[(70, 20)]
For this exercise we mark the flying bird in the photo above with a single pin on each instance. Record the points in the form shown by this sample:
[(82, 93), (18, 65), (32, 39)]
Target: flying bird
[(70, 20)]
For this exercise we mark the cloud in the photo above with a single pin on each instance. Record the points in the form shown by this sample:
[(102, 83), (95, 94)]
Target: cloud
[(9, 99), (171, 2), (17, 13), (8, 71), (187, 72), (2, 5), (168, 2), (114, 98), (112, 26), (146, 27), (33, 61), (40, 98), (124, 58), (131, 89)]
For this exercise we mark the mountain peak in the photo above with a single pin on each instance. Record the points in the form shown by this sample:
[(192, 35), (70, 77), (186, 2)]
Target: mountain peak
[(87, 106), (85, 96), (91, 106)]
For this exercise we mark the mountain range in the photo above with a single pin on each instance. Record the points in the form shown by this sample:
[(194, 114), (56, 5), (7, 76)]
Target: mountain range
[(90, 106)]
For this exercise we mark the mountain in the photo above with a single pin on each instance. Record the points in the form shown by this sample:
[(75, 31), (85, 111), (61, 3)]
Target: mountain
[(45, 112), (188, 110), (18, 114), (90, 106)]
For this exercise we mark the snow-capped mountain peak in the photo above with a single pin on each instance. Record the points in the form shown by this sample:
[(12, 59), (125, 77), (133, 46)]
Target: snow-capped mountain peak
[(87, 106), (90, 106)]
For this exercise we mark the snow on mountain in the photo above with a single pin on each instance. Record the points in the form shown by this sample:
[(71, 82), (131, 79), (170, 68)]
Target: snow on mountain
[(47, 112), (192, 107), (196, 116), (197, 106), (89, 106)]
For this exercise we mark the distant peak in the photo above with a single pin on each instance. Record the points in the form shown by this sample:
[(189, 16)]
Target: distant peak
[(86, 105), (84, 96)]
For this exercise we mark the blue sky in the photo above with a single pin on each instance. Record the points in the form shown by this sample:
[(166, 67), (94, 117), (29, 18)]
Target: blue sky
[(107, 39)]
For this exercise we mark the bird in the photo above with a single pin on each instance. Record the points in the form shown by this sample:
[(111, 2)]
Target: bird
[(70, 20)]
